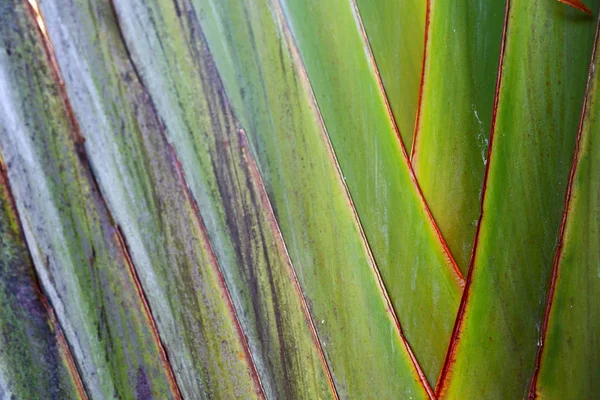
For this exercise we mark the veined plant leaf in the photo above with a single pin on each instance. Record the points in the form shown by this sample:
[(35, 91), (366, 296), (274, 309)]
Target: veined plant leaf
[(455, 113), (546, 50), (258, 272), (396, 33), (420, 276), (568, 359), (139, 176), (290, 362), (354, 320), (36, 360), (76, 248)]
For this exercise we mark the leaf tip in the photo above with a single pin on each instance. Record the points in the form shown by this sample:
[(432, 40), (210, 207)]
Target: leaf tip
[(578, 5)]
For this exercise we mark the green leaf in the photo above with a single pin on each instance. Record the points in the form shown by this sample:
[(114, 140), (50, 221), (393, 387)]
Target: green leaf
[(35, 362), (567, 360), (396, 33), (139, 176), (418, 272), (361, 341), (76, 249), (453, 125), (240, 223), (545, 55)]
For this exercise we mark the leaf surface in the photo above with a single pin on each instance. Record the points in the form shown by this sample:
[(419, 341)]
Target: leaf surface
[(539, 97), (74, 243), (140, 177), (455, 114), (568, 363), (396, 33), (419, 274), (231, 200), (35, 357), (270, 96)]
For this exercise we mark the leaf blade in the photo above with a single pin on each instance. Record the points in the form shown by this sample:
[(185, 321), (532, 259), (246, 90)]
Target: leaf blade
[(420, 275), (211, 149), (396, 32), (570, 320), (35, 357), (37, 138), (269, 96), (531, 143), (450, 147)]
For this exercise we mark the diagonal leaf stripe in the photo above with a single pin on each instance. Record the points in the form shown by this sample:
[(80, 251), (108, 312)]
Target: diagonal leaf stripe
[(325, 243), (122, 161), (396, 32)]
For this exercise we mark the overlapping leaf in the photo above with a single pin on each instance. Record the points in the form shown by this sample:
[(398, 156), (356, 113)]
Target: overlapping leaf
[(396, 32), (418, 272), (451, 139), (268, 92), (76, 248), (568, 359), (533, 136)]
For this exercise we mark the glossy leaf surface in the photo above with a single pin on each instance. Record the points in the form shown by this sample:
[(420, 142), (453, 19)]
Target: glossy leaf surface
[(538, 106), (453, 126)]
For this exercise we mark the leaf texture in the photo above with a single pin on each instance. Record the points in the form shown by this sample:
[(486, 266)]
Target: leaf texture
[(140, 177), (567, 359), (396, 34), (420, 275), (73, 241), (268, 93), (36, 361), (539, 95), (455, 113), (242, 230)]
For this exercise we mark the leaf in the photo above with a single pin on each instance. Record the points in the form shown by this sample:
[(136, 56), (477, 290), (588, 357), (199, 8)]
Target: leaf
[(75, 246), (396, 34), (567, 358), (240, 225), (35, 356), (140, 177), (492, 354), (451, 140), (363, 347), (419, 274)]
